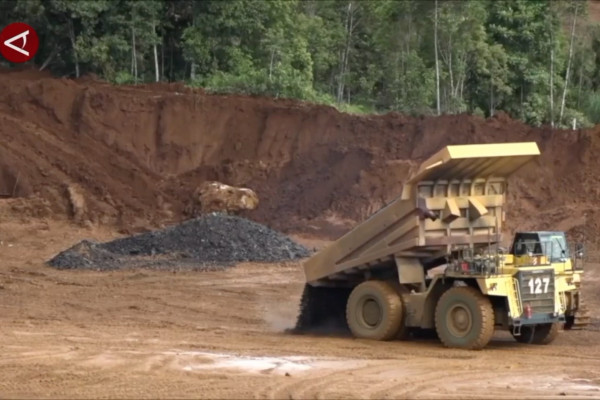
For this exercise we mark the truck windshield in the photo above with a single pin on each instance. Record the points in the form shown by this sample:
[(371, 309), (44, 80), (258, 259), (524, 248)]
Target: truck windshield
[(551, 244), (528, 244), (555, 246)]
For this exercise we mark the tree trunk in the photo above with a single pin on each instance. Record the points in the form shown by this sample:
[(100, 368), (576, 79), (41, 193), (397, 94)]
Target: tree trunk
[(564, 95), (452, 90), (72, 38), (404, 70), (193, 67), (134, 55), (552, 86), (580, 84), (437, 63), (345, 53), (132, 51), (49, 58), (340, 84), (171, 72), (162, 57), (551, 71), (156, 70), (522, 114), (492, 108), (271, 64)]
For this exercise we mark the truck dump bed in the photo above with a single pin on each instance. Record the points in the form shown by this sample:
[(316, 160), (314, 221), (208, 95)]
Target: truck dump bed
[(455, 198)]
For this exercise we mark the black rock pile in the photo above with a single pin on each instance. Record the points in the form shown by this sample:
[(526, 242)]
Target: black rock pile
[(213, 241)]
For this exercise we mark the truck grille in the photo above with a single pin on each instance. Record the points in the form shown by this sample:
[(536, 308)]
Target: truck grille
[(537, 290)]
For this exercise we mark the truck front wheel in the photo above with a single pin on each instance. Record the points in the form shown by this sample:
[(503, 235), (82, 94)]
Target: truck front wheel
[(464, 318), (374, 311)]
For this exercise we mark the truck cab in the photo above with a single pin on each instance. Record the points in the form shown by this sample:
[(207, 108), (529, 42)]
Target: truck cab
[(551, 248)]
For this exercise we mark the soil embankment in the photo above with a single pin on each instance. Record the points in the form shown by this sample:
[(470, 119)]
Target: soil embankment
[(132, 156)]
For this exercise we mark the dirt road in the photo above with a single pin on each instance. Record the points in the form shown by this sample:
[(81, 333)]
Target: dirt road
[(151, 334)]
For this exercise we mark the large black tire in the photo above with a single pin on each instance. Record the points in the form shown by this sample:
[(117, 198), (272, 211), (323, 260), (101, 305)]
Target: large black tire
[(464, 318), (374, 311), (322, 311), (538, 334)]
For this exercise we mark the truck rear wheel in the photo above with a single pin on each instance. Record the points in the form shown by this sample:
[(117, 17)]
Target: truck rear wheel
[(322, 310), (464, 318), (374, 311), (538, 334)]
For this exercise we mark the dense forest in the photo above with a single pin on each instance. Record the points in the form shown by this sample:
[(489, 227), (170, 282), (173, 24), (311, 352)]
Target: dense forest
[(536, 60)]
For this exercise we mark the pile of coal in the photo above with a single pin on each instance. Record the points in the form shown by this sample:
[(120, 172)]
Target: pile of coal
[(210, 242)]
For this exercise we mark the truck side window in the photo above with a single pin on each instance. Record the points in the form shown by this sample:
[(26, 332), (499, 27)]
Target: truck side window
[(520, 248)]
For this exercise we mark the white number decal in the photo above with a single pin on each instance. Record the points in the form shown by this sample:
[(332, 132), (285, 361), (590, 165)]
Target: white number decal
[(531, 290), (546, 281), (535, 285)]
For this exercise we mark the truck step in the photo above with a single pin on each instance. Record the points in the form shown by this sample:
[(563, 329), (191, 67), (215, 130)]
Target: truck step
[(582, 318)]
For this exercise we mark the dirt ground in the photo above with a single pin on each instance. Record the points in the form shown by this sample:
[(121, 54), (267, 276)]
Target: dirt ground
[(153, 334), (84, 159)]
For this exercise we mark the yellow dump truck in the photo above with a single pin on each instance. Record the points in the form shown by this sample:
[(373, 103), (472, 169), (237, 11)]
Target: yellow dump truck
[(431, 259)]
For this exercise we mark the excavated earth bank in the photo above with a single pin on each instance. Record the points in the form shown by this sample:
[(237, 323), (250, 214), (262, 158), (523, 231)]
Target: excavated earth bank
[(132, 156)]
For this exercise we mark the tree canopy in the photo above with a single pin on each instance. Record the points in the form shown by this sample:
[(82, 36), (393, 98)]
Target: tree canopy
[(537, 60)]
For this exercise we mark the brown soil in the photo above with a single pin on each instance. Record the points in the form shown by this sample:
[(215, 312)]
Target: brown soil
[(152, 334), (594, 10), (129, 158), (136, 154)]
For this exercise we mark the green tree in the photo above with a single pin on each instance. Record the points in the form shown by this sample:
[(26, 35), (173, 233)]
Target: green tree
[(521, 27), (536, 59), (407, 82)]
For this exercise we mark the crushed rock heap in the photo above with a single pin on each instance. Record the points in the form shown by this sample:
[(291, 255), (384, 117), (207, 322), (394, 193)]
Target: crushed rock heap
[(212, 241)]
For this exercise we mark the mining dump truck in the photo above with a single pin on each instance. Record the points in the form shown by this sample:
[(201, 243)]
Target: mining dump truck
[(432, 259)]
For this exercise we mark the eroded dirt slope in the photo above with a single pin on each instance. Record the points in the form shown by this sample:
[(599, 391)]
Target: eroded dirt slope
[(137, 153)]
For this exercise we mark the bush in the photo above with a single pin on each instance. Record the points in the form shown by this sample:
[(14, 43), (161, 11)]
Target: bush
[(591, 107)]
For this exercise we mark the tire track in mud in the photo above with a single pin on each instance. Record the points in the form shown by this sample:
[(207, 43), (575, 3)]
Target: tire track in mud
[(65, 352), (338, 383), (406, 382), (412, 385), (365, 380), (434, 384), (378, 380), (100, 372), (299, 388), (424, 383)]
